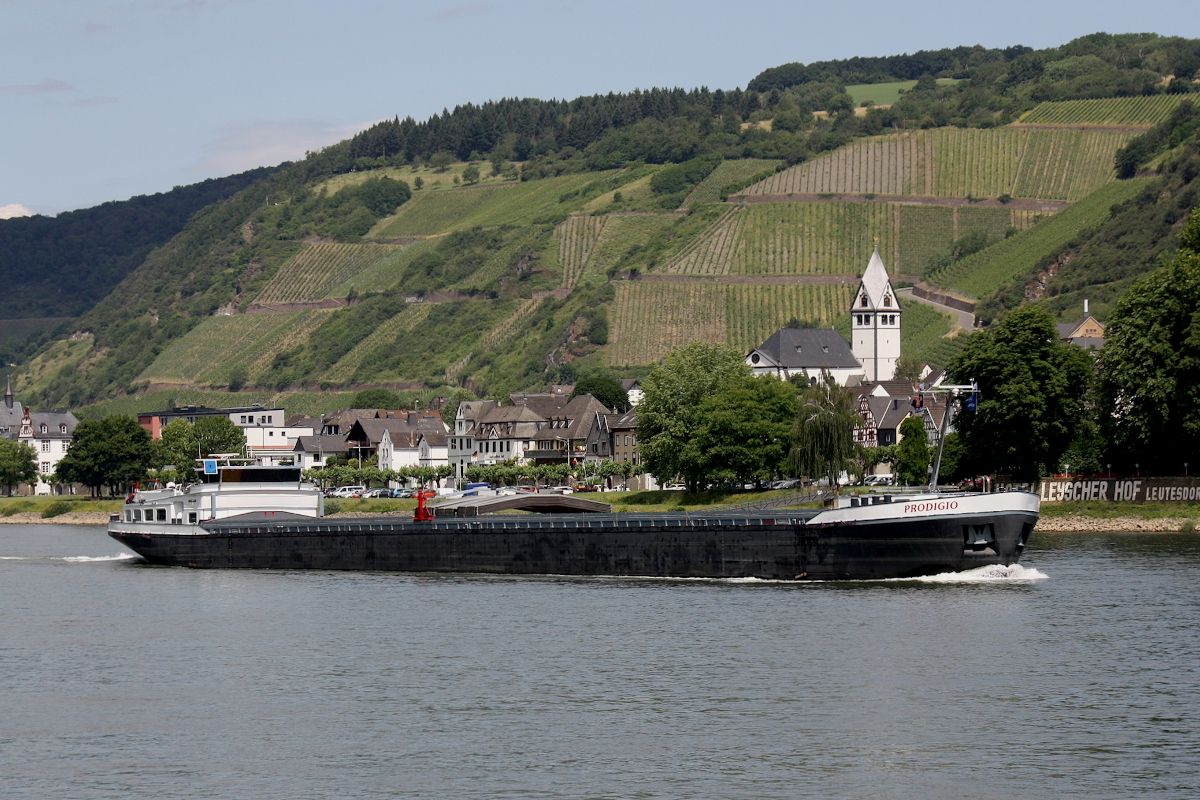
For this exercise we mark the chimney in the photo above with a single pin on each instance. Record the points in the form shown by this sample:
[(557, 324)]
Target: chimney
[(1085, 308)]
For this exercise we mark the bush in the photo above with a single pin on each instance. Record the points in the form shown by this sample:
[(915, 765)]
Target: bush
[(56, 508), (15, 508), (680, 178), (332, 507)]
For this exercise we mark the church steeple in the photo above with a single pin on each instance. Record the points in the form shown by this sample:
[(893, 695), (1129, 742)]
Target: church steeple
[(875, 322), (8, 395)]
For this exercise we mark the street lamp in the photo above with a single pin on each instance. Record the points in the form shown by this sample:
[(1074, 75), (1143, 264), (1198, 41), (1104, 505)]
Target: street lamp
[(1185, 469), (1137, 469)]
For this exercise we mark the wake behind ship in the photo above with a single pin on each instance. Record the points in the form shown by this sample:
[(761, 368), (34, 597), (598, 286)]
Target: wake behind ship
[(267, 518)]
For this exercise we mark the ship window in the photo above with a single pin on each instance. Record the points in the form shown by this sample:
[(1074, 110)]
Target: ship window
[(191, 517), (128, 515), (137, 515), (161, 514)]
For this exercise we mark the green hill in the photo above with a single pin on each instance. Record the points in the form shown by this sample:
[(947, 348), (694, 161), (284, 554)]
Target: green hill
[(516, 243)]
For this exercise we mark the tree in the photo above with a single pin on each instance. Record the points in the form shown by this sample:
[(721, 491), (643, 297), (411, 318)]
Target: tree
[(907, 369), (237, 378), (441, 161), (669, 413), (182, 443), (18, 464), (376, 398), (605, 388), (1149, 366), (744, 428), (470, 173), (912, 453), (822, 437), (1032, 388), (111, 452)]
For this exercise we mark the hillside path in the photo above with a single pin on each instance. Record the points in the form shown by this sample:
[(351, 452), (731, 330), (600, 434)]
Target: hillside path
[(966, 320), (1019, 203)]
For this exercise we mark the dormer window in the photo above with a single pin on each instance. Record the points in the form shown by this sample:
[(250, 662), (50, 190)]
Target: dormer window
[(887, 301), (45, 428), (62, 428)]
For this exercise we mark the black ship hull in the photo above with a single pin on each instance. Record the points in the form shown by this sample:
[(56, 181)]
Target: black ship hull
[(773, 545)]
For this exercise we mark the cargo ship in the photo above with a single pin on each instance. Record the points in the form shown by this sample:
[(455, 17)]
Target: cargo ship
[(269, 518)]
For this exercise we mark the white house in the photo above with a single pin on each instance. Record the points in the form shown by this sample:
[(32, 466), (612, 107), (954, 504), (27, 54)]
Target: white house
[(272, 445), (433, 449), (313, 452), (49, 434)]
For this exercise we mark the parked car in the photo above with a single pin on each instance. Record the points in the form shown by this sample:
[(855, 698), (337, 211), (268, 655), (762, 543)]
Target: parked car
[(348, 491), (674, 487), (878, 480), (583, 487), (402, 493)]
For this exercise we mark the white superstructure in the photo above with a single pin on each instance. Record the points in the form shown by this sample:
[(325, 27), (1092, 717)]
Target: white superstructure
[(232, 492)]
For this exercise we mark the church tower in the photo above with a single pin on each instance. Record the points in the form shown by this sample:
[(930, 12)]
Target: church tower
[(875, 323)]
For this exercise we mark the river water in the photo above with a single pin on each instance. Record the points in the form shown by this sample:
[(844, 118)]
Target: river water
[(1075, 675)]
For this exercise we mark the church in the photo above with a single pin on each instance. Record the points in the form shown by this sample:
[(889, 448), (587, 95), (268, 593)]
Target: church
[(870, 356)]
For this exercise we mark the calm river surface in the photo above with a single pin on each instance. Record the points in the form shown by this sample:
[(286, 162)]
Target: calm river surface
[(1076, 676)]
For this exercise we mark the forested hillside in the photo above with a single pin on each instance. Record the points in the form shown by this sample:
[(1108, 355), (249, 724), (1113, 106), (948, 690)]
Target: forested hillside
[(61, 266), (521, 242)]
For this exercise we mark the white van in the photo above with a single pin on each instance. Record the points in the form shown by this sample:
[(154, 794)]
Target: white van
[(347, 491)]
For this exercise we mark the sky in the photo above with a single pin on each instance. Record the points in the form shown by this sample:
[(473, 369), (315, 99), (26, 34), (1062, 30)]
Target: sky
[(107, 99)]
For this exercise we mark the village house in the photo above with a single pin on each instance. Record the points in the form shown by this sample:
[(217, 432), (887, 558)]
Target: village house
[(47, 433), (1087, 332), (313, 452), (393, 435), (538, 428)]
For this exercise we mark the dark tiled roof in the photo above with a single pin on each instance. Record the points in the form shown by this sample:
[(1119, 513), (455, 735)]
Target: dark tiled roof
[(54, 421), (808, 348), (321, 444)]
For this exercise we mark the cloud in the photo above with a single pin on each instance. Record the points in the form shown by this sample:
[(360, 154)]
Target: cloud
[(45, 87), (13, 210), (463, 10), (88, 102), (238, 148)]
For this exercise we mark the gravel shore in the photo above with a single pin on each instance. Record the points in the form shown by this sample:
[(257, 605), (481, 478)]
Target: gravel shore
[(70, 518), (1075, 524)]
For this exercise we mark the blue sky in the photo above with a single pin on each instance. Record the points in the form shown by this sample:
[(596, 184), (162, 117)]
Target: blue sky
[(105, 99)]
